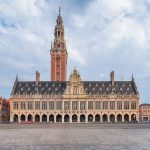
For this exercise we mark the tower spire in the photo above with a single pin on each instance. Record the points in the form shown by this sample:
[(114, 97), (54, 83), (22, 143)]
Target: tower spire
[(59, 10), (59, 52)]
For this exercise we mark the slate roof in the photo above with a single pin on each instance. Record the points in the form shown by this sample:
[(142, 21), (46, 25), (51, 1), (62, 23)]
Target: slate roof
[(58, 87), (145, 104)]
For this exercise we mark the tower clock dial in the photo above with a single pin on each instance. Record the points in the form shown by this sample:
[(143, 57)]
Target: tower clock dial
[(58, 58)]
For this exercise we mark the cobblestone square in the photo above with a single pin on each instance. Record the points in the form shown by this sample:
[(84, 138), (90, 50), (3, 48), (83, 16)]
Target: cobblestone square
[(75, 136)]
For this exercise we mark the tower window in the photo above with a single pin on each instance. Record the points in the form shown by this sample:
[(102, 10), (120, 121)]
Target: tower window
[(58, 33), (57, 73)]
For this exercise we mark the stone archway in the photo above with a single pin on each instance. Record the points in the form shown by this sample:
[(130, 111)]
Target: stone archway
[(74, 118), (126, 118), (105, 118), (51, 118), (90, 118), (15, 118), (30, 117), (66, 118), (133, 118), (58, 118), (37, 118), (82, 118), (97, 118), (119, 118), (112, 118), (44, 118), (23, 117)]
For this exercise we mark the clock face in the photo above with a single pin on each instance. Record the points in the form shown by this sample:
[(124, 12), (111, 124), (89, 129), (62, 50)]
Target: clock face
[(58, 58)]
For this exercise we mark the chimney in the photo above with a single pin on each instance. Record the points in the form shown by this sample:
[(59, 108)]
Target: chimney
[(37, 77), (112, 78)]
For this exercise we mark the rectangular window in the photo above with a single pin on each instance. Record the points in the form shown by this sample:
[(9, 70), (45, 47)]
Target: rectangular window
[(30, 105), (112, 105), (119, 105), (74, 105), (98, 105), (126, 105), (37, 105), (44, 105), (66, 105), (90, 105), (133, 105), (15, 105), (105, 105), (59, 105), (82, 105), (22, 105), (51, 105)]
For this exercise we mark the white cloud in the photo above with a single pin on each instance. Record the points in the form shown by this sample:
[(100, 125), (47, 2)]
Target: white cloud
[(104, 35)]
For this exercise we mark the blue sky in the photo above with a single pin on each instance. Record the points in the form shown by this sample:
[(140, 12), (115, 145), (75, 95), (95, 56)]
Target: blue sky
[(101, 35)]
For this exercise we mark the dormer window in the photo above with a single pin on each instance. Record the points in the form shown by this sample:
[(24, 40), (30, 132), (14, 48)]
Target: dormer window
[(113, 89)]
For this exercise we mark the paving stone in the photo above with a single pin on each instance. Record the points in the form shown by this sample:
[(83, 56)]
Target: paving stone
[(75, 137)]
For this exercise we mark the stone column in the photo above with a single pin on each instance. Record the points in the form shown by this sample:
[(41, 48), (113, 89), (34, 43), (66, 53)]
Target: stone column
[(33, 119), (86, 118), (11, 118), (122, 117), (115, 118), (79, 118), (26, 118), (19, 120), (47, 118), (108, 118), (54, 118), (40, 118), (129, 117), (62, 118), (93, 118), (101, 118), (70, 121)]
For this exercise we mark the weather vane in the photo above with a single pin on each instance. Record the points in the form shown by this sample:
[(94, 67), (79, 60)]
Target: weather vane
[(59, 10)]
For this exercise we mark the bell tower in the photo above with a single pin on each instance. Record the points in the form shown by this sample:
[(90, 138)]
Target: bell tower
[(58, 52)]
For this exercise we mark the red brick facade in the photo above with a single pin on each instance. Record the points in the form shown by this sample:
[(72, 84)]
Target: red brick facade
[(58, 53)]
